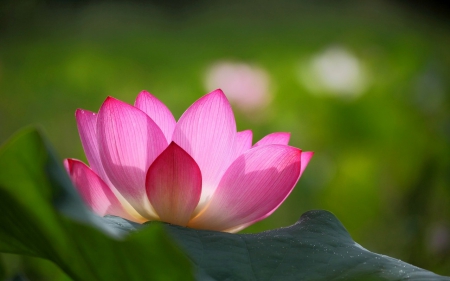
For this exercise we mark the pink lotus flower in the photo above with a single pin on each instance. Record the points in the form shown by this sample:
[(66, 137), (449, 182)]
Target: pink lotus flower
[(197, 172)]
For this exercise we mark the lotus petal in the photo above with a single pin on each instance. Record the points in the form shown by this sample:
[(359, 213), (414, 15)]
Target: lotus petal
[(87, 128), (306, 156), (158, 112), (274, 138), (243, 142), (174, 185), (252, 188), (94, 191), (129, 141), (207, 131)]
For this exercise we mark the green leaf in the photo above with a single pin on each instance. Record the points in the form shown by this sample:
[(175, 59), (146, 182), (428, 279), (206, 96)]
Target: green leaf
[(317, 247), (85, 246)]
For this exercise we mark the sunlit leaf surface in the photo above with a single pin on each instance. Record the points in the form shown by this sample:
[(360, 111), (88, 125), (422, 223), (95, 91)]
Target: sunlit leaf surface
[(317, 247)]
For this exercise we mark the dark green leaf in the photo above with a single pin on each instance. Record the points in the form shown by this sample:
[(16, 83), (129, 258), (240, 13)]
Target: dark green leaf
[(85, 246), (317, 247)]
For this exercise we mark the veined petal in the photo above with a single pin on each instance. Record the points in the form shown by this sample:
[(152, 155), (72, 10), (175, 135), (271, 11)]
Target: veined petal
[(87, 128), (174, 185), (206, 131), (128, 141), (274, 138), (158, 112), (94, 191), (242, 143), (306, 156), (252, 188)]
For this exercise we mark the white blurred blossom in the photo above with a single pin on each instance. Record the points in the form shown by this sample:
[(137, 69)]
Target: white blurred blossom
[(245, 85), (335, 71)]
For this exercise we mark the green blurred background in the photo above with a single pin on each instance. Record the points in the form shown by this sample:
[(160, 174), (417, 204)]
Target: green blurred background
[(364, 84)]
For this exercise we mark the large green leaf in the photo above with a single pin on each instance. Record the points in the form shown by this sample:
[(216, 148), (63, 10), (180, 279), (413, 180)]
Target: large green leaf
[(317, 247), (32, 183)]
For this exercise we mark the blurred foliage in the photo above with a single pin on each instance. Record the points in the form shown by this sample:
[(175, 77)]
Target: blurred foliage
[(382, 159), (43, 216), (33, 268)]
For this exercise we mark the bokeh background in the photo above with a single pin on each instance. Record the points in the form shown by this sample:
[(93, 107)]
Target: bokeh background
[(364, 84)]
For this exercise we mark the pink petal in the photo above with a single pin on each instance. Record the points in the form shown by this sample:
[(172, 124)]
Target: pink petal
[(87, 123), (94, 191), (158, 112), (206, 131), (252, 188), (87, 127), (129, 141), (274, 138), (306, 156), (174, 185), (242, 143)]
